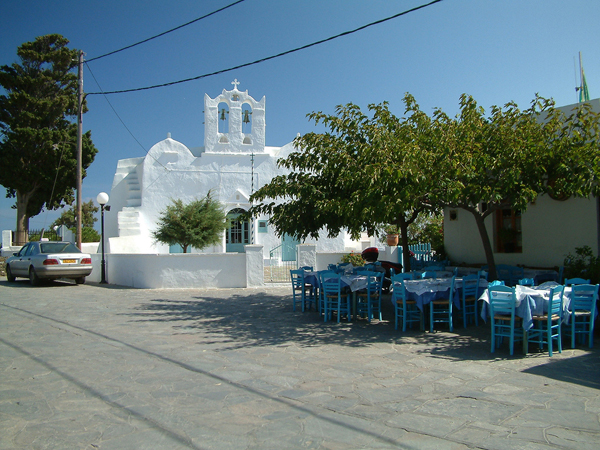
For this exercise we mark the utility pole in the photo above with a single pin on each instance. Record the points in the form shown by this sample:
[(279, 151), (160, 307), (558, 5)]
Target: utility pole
[(79, 146)]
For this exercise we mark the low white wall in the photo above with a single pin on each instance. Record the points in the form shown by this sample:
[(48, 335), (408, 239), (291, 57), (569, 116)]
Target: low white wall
[(182, 271), (324, 259)]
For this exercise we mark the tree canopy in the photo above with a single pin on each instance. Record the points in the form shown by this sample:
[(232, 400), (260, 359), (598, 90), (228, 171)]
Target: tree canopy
[(483, 164), (362, 174), (367, 171), (38, 136), (198, 224)]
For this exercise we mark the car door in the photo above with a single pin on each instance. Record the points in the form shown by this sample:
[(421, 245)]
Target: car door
[(20, 265)]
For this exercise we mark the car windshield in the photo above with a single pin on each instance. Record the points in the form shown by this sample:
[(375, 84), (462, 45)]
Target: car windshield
[(59, 247)]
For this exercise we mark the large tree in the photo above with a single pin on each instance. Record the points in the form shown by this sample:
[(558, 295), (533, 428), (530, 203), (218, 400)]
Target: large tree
[(362, 174), (505, 160), (38, 136), (198, 224)]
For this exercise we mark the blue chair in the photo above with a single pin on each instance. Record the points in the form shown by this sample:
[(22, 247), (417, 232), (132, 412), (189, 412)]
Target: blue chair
[(561, 272), (440, 310), (331, 267), (547, 327), (502, 314), (516, 273), (582, 311), (404, 310), (321, 297), (405, 275), (301, 292), (428, 274), (503, 272), (434, 268), (307, 268), (572, 281), (527, 282), (469, 297), (496, 283), (368, 300), (483, 274), (334, 300)]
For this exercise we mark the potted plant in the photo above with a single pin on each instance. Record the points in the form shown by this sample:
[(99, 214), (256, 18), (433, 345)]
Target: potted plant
[(392, 235)]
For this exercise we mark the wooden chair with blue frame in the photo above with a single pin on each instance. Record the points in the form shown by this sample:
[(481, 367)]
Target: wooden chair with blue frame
[(582, 309), (440, 310), (502, 302), (404, 309), (547, 327), (527, 282), (301, 292), (572, 281), (469, 297), (334, 299), (368, 300)]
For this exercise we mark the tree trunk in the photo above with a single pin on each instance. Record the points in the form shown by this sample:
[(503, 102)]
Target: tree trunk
[(403, 226), (22, 220), (487, 245)]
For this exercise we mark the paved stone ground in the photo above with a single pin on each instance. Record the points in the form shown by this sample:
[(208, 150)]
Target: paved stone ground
[(103, 367)]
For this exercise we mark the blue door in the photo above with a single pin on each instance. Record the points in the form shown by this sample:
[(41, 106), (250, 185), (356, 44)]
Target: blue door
[(288, 248)]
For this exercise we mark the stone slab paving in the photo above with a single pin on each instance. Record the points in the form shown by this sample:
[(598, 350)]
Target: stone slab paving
[(103, 367)]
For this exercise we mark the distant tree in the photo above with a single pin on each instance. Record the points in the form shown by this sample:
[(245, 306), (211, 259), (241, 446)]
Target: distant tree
[(198, 224), (38, 136), (67, 218)]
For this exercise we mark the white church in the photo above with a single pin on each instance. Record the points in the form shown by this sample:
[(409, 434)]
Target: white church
[(233, 162)]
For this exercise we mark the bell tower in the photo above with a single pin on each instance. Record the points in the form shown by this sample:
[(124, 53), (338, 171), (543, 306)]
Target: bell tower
[(234, 122)]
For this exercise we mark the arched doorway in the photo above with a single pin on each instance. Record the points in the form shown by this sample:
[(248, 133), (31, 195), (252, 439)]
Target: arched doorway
[(238, 234)]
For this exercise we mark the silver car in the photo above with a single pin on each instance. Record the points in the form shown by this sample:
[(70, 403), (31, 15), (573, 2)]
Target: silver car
[(49, 260)]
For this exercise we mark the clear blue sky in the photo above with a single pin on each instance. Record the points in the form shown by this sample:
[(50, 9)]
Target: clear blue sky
[(497, 51)]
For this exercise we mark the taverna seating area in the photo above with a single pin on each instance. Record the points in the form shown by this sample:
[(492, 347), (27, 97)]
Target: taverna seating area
[(526, 309)]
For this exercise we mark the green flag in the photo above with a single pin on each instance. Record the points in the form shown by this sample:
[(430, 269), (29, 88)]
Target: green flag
[(584, 95)]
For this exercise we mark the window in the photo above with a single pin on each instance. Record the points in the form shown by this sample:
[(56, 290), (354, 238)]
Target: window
[(507, 232), (262, 226)]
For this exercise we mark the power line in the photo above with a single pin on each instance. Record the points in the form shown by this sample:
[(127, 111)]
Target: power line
[(121, 120), (166, 32), (345, 33)]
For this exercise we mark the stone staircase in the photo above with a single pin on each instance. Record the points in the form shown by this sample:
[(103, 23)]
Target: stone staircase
[(128, 218)]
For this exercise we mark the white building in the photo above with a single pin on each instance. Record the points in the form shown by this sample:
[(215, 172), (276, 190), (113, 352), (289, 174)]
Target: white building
[(233, 162)]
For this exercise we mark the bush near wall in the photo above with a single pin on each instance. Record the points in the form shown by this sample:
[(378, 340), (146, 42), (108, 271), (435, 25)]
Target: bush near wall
[(583, 264)]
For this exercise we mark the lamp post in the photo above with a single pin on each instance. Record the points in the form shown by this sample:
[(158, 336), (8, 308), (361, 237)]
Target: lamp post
[(102, 200)]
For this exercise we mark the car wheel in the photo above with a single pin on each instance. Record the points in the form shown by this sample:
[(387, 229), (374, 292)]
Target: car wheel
[(80, 280), (33, 278), (9, 276)]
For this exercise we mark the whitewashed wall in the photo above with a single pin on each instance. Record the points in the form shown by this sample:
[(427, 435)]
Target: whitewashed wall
[(183, 271)]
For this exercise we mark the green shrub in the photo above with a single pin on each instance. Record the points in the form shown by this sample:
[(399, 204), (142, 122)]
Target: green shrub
[(355, 258), (583, 264)]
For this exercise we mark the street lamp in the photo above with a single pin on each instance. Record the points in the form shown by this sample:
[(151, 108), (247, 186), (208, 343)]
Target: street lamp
[(102, 199)]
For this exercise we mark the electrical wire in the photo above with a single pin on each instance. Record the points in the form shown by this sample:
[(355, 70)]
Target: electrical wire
[(166, 32), (121, 120), (304, 47)]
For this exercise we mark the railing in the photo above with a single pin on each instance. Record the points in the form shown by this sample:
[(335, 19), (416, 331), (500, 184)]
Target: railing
[(422, 255), (34, 235), (277, 269)]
